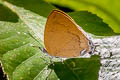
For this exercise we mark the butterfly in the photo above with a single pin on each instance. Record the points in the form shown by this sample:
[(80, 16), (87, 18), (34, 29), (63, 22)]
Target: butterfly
[(63, 37)]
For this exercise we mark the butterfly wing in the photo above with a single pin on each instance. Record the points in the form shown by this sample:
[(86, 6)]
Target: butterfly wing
[(63, 37)]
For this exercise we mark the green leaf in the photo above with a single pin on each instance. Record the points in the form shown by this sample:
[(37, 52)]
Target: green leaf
[(36, 6), (108, 10), (19, 59), (91, 23), (78, 68)]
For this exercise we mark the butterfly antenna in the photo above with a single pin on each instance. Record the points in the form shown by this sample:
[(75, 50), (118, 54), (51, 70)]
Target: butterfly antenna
[(33, 37), (42, 49), (36, 41)]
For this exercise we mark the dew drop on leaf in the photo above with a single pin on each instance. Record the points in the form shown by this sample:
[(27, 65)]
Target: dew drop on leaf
[(31, 44), (18, 32)]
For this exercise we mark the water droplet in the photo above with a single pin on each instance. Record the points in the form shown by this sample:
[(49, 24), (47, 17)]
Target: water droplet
[(31, 44), (18, 32), (24, 33), (23, 42)]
